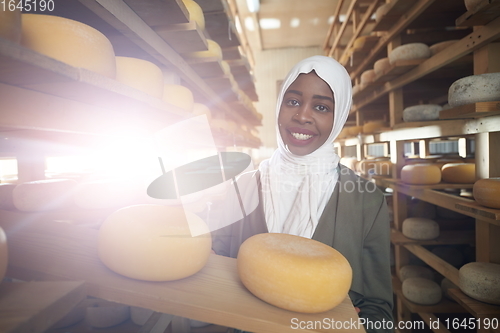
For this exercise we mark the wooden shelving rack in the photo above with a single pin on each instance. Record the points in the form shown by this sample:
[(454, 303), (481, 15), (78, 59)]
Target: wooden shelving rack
[(476, 51)]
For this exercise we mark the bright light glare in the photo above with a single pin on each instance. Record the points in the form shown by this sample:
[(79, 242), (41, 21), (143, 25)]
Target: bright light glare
[(249, 23), (270, 23), (295, 22), (8, 169)]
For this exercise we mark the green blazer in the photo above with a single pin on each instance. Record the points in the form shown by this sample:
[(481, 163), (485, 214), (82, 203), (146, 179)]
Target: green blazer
[(356, 223)]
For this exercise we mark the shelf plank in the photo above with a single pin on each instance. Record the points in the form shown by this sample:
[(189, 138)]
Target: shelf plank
[(160, 12), (476, 308), (446, 237), (396, 9), (475, 110), (39, 250), (35, 306), (478, 210), (183, 37), (397, 69), (484, 13), (207, 67), (445, 306)]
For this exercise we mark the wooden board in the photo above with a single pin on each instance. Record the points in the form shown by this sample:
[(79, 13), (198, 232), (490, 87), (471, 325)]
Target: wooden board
[(484, 13), (476, 110), (183, 37), (446, 237), (397, 9), (35, 306), (476, 308), (206, 67), (476, 209), (41, 250), (397, 69), (160, 12)]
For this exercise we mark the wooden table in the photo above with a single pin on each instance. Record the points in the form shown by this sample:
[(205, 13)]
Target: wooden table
[(45, 250)]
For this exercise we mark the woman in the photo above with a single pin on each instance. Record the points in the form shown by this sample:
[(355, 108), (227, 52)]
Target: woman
[(305, 191)]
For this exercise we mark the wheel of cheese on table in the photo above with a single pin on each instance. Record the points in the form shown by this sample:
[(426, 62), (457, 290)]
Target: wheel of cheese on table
[(381, 11), (420, 228), (140, 316), (424, 112), (214, 51), (421, 174), (140, 74), (44, 194), (10, 24), (4, 259), (481, 281), (195, 13), (102, 314), (486, 192), (459, 173), (154, 243), (438, 47), (368, 76), (446, 285), (475, 89), (107, 193), (472, 4), (381, 66), (6, 200), (422, 291), (413, 271), (294, 273), (372, 126), (179, 96), (71, 42), (409, 51)]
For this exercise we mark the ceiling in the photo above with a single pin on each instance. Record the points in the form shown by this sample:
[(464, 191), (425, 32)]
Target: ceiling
[(295, 23)]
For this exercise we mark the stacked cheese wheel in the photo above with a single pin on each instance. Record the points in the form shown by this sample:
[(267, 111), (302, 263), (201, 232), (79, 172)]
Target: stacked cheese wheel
[(140, 74), (422, 291), (420, 228), (179, 96), (486, 192), (459, 173), (294, 273), (410, 51), (481, 281), (424, 112), (421, 174), (475, 89), (214, 51), (195, 13)]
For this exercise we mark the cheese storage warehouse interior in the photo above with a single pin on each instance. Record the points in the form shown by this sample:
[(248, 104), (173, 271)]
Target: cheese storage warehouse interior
[(94, 95)]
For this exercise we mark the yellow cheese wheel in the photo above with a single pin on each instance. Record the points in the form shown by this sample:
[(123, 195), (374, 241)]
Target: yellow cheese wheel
[(10, 24), (154, 243), (45, 194), (294, 273), (69, 41), (195, 13), (421, 174), (487, 192), (367, 76), (459, 173), (214, 50), (179, 96), (140, 74), (381, 66), (354, 130), (199, 109), (3, 254)]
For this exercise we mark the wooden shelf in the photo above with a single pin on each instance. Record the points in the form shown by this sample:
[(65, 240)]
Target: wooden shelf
[(396, 9), (183, 37), (35, 306), (445, 306), (207, 67), (446, 237), (43, 251), (476, 308), (476, 110), (484, 13)]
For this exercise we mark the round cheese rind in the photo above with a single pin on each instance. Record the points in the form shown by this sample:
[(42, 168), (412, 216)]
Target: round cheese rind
[(214, 50), (154, 243), (424, 112), (195, 13), (481, 281), (4, 259), (420, 228), (472, 4), (140, 74), (486, 192), (410, 51), (372, 126), (381, 66), (421, 174), (179, 96), (43, 195), (381, 11), (475, 89), (459, 173), (10, 24), (368, 76), (71, 42), (294, 273), (413, 271), (438, 47), (422, 291)]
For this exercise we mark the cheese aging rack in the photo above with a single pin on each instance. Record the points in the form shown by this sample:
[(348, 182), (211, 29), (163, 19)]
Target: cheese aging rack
[(406, 83)]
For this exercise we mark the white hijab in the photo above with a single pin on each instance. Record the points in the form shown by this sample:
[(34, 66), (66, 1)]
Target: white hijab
[(296, 189)]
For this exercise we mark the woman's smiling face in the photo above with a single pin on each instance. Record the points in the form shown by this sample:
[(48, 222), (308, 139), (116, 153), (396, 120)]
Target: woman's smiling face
[(306, 114)]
